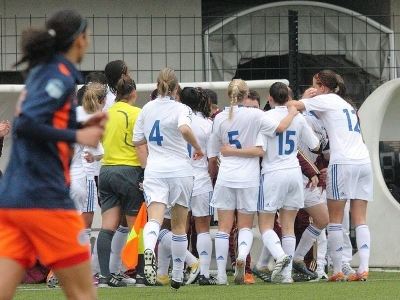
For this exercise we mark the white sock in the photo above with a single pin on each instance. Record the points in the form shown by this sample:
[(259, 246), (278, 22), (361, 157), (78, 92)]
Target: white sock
[(245, 241), (347, 253), (363, 239), (288, 245), (118, 242), (306, 242), (322, 248), (273, 243), (150, 234), (335, 240), (88, 233), (221, 251), (178, 248), (204, 248), (164, 252), (94, 260), (190, 258), (265, 256)]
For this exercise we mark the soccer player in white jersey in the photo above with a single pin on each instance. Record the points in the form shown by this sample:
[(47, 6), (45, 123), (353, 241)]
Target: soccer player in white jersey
[(198, 100), (349, 173), (83, 189), (282, 183), (314, 203), (164, 125), (238, 176)]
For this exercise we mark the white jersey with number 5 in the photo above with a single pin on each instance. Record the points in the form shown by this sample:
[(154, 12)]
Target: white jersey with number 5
[(341, 123), (281, 149), (159, 123), (240, 132)]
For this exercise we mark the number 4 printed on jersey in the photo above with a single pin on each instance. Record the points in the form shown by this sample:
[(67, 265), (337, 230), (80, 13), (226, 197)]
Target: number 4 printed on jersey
[(155, 135)]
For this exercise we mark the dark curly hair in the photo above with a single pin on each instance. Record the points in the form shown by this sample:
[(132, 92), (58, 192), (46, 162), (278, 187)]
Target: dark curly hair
[(197, 99)]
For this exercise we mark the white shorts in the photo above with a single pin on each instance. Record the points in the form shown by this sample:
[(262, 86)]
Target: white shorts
[(84, 193), (312, 198), (227, 198), (349, 182), (200, 205), (169, 191), (91, 196), (281, 189)]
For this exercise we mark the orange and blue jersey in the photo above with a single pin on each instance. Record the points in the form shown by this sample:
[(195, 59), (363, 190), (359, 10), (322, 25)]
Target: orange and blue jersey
[(43, 131)]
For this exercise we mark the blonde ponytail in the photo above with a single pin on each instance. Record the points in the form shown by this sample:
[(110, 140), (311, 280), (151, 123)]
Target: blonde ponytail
[(237, 91)]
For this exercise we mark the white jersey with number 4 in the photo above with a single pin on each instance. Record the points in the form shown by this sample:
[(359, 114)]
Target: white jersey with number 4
[(341, 123), (240, 132), (159, 122), (281, 149)]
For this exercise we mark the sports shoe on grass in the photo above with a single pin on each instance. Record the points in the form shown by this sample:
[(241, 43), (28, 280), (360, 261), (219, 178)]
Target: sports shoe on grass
[(162, 280), (336, 277), (300, 277), (175, 284), (95, 280), (222, 280), (110, 281), (150, 268), (285, 280), (249, 279), (207, 281), (141, 281), (51, 280), (347, 270), (301, 267), (281, 263), (194, 272), (124, 278), (321, 272), (239, 273), (358, 277), (263, 274)]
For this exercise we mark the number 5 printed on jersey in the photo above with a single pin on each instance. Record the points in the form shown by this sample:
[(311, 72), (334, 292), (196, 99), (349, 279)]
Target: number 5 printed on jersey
[(232, 141), (155, 135)]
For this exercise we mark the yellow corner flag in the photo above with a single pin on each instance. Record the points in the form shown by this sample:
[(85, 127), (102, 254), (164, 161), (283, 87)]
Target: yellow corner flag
[(134, 244)]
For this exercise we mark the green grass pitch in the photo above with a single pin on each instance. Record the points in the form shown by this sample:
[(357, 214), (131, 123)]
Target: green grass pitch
[(381, 285)]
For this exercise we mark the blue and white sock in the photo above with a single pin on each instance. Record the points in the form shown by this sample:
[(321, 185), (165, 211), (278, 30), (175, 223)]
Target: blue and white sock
[(307, 240), (363, 239), (204, 248), (117, 244), (335, 240), (245, 241), (273, 243), (88, 232), (221, 251), (190, 258), (322, 248), (150, 234), (164, 252), (94, 260), (265, 256), (178, 248), (288, 245)]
